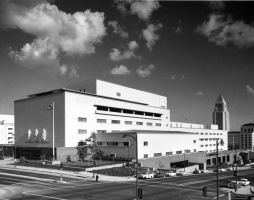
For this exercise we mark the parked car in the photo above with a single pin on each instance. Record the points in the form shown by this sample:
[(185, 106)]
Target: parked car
[(196, 172), (159, 175), (222, 170), (146, 175), (203, 171), (244, 181), (180, 173), (170, 173), (233, 184)]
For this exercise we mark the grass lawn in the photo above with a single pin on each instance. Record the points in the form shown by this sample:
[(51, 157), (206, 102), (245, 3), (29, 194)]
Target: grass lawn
[(81, 166)]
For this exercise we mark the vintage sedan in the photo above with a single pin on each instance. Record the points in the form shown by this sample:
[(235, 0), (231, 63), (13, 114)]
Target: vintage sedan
[(146, 175)]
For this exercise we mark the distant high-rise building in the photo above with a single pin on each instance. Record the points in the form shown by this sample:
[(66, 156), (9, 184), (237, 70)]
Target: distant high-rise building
[(221, 114)]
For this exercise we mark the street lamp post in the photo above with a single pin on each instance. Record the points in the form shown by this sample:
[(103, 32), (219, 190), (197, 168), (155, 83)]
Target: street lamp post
[(184, 160), (217, 164), (52, 106), (236, 169), (15, 156), (136, 139)]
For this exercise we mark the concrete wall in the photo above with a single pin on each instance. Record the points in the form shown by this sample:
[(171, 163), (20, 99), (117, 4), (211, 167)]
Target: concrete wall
[(32, 114), (63, 152), (165, 161), (157, 142)]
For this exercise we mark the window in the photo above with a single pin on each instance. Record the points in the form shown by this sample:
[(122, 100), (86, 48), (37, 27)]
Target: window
[(82, 131), (221, 133), (169, 153), (206, 145), (102, 108), (126, 144), (81, 119), (99, 143), (115, 121), (194, 141), (145, 155), (101, 131), (10, 128), (217, 133), (201, 133), (118, 94), (128, 122), (210, 133), (115, 110), (149, 124), (112, 143), (139, 123), (157, 154), (214, 133), (202, 145), (101, 120), (206, 133), (210, 145), (178, 152), (145, 143), (158, 124), (194, 150)]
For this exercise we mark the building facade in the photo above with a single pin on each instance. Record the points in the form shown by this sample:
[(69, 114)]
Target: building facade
[(247, 137), (7, 135), (63, 117), (221, 114), (234, 140)]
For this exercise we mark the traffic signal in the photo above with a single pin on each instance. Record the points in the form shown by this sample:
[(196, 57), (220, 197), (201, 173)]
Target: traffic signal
[(61, 165), (140, 193), (235, 173), (205, 191)]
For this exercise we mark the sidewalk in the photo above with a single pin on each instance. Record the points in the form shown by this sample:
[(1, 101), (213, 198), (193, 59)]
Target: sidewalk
[(88, 174)]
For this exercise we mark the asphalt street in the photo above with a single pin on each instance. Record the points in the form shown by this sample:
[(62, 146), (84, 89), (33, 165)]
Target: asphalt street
[(31, 185)]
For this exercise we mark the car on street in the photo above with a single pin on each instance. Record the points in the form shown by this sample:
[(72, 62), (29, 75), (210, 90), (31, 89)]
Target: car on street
[(195, 172), (146, 175), (159, 175), (233, 184), (203, 171), (244, 182), (180, 173), (170, 173)]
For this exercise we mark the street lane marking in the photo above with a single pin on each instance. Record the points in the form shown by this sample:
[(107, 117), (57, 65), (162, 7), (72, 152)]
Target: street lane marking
[(42, 196)]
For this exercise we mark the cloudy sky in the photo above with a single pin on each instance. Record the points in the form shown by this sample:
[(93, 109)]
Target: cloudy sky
[(190, 52)]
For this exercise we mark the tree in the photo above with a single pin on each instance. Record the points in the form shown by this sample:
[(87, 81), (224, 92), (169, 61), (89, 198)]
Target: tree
[(99, 154), (89, 147)]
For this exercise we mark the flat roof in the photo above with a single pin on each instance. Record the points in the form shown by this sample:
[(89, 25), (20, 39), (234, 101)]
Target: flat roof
[(148, 132), (79, 92)]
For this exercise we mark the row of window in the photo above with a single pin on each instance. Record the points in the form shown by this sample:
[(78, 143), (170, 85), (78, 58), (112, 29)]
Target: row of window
[(168, 153), (127, 111), (82, 119), (210, 134), (127, 122), (113, 143)]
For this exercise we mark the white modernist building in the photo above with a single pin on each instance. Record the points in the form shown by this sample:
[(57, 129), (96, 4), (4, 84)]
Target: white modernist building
[(7, 129), (102, 107)]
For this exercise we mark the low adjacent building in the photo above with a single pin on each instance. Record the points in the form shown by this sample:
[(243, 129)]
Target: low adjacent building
[(7, 135)]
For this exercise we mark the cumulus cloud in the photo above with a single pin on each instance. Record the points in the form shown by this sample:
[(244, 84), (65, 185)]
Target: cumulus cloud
[(173, 77), (223, 31), (55, 32), (249, 90), (145, 71), (178, 29), (116, 54), (117, 29), (121, 70), (216, 5), (199, 93), (143, 9), (150, 35)]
